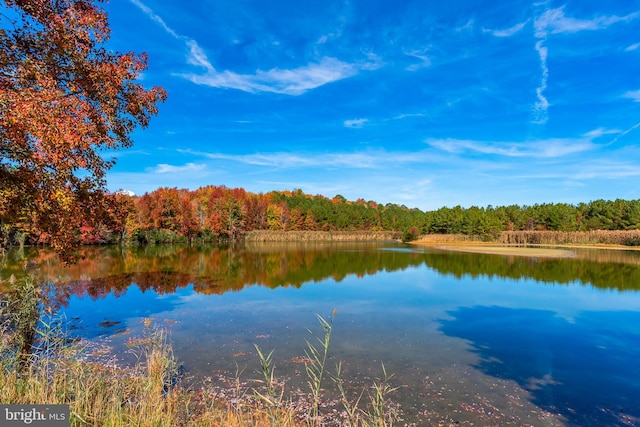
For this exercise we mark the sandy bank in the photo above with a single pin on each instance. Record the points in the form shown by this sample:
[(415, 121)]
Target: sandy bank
[(508, 250)]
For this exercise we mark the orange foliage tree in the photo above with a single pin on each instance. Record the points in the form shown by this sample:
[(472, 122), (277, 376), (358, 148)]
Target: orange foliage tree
[(63, 99)]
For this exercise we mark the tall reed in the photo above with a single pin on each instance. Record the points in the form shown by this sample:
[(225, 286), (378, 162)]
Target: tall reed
[(594, 237), (316, 360), (544, 237)]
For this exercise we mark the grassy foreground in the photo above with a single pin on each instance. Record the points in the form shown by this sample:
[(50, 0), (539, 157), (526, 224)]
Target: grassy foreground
[(153, 393), (102, 395)]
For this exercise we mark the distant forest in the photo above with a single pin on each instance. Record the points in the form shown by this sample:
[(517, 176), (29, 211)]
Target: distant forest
[(217, 212)]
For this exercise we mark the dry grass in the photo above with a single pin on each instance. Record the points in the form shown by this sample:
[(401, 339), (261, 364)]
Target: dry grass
[(149, 394), (595, 237), (447, 238), (524, 243), (624, 238), (100, 394)]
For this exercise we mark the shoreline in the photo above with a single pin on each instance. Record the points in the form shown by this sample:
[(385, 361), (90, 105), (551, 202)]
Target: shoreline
[(531, 250)]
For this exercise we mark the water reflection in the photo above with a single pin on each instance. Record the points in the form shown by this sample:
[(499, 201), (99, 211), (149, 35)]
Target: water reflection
[(219, 269), (589, 268), (577, 368), (473, 338), (212, 269)]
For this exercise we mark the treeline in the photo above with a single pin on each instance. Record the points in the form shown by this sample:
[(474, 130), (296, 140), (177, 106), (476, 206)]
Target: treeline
[(217, 212)]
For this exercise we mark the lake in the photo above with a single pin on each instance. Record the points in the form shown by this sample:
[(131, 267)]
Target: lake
[(469, 338)]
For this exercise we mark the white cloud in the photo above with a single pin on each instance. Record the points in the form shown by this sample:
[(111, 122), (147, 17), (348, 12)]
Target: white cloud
[(608, 169), (147, 11), (423, 60), (509, 31), (197, 56), (632, 47), (359, 160), (633, 95), (545, 148), (294, 81), (290, 160), (466, 27), (165, 168), (554, 21), (542, 104), (355, 123), (625, 133), (415, 190), (407, 115), (596, 133), (284, 81)]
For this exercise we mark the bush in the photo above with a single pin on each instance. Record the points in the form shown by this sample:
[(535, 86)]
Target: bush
[(411, 234)]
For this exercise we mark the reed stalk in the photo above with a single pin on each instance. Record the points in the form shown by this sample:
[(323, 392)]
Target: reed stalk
[(316, 360)]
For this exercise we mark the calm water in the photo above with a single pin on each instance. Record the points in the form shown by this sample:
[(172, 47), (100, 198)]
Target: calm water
[(482, 339)]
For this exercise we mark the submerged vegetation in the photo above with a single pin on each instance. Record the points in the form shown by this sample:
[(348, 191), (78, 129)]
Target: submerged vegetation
[(40, 363)]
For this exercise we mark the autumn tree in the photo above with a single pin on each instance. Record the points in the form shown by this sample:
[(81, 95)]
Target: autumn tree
[(123, 210), (63, 99), (296, 220), (310, 221), (256, 207), (228, 217)]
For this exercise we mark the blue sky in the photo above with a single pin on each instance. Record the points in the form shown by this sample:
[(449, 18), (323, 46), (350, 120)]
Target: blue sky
[(420, 103)]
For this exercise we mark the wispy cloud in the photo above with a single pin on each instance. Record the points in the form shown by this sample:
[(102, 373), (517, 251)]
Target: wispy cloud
[(542, 104), (632, 47), (508, 32), (468, 26), (554, 21), (295, 81), (596, 133), (608, 169), (545, 148), (197, 56), (147, 11), (355, 123), (166, 168), (407, 115), (415, 191), (423, 61), (284, 81), (633, 95), (624, 133), (290, 160), (358, 160)]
